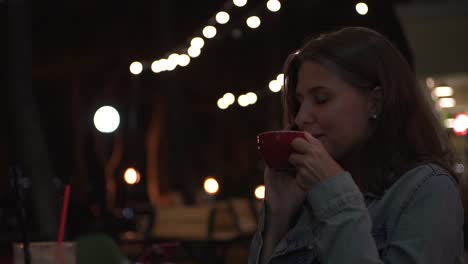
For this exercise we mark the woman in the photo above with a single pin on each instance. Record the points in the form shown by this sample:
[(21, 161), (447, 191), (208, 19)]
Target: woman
[(373, 180)]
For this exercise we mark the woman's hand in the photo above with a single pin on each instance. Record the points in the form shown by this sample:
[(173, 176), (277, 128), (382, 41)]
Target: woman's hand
[(283, 199), (283, 196), (312, 161)]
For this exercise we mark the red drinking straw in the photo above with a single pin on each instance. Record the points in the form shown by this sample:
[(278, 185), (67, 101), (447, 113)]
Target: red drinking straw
[(63, 217)]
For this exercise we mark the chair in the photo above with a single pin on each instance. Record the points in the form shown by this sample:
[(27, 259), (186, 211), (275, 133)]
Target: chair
[(183, 223)]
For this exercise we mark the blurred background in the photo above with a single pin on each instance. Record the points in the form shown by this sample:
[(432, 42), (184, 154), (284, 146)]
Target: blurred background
[(149, 110)]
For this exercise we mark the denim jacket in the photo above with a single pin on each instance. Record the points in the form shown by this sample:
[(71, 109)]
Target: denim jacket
[(418, 220)]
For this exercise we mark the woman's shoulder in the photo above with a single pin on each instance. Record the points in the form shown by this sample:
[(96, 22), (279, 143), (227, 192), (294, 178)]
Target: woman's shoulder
[(425, 171), (420, 177), (422, 184)]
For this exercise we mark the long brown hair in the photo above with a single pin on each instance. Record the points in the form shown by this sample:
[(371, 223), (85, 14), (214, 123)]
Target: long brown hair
[(407, 131)]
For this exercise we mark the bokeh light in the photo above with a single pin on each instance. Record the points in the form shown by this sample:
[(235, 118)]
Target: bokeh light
[(209, 32), (362, 8), (260, 192), (251, 98), (273, 5), (193, 51), (443, 91), (460, 124), (222, 103), (459, 168), (229, 98), (211, 186), (197, 42), (240, 3), (136, 67), (449, 122), (106, 119), (157, 66), (447, 102), (243, 101), (253, 22), (131, 176), (222, 17), (275, 86), (430, 82), (183, 60), (172, 61)]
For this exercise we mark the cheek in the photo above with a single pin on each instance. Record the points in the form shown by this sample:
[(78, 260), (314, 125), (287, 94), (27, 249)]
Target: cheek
[(344, 131)]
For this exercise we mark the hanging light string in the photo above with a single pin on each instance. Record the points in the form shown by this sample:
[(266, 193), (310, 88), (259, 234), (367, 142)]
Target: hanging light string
[(174, 60), (275, 85), (222, 17), (198, 42)]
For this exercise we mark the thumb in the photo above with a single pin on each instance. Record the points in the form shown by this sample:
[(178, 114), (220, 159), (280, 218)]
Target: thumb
[(309, 137)]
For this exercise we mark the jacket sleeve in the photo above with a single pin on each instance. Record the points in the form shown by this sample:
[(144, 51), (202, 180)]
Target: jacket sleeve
[(257, 240), (428, 230)]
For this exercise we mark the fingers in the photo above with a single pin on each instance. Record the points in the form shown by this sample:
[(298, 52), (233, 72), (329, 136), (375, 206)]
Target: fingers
[(302, 145), (302, 173), (309, 137), (296, 159)]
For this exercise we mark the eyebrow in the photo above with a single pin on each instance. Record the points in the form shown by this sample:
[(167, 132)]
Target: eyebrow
[(312, 89)]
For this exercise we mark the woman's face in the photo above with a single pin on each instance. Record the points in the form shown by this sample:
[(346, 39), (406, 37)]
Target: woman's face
[(331, 110)]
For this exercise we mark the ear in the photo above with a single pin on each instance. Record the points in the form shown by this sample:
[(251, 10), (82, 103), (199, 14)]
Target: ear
[(375, 102)]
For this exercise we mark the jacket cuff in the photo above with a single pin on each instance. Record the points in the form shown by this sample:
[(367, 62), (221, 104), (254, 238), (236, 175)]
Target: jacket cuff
[(331, 195)]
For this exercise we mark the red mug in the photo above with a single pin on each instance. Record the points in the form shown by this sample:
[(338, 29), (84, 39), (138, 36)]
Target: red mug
[(275, 147)]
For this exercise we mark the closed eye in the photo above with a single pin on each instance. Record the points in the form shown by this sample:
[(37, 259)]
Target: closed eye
[(321, 98)]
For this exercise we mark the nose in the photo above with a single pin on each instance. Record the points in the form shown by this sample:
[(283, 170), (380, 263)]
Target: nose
[(305, 115)]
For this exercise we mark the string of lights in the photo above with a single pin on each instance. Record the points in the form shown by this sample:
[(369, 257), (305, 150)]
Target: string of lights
[(275, 85), (196, 44), (174, 60)]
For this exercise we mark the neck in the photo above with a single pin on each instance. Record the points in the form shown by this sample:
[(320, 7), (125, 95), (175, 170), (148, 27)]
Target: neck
[(349, 164), (353, 164)]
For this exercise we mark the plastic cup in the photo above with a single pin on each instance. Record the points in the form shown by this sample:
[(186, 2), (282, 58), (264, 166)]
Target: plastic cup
[(46, 253)]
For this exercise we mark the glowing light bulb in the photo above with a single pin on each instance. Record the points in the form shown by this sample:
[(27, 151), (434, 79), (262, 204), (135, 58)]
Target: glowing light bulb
[(229, 98), (243, 100), (197, 42), (251, 98), (136, 67), (157, 66), (222, 104), (106, 119), (253, 22), (274, 5), (222, 17), (209, 32), (443, 91), (274, 86), (460, 124), (183, 60), (447, 102), (260, 192), (211, 186), (240, 3), (131, 176), (280, 78), (193, 52), (362, 8)]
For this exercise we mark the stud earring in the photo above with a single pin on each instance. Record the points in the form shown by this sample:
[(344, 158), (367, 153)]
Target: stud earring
[(373, 116)]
